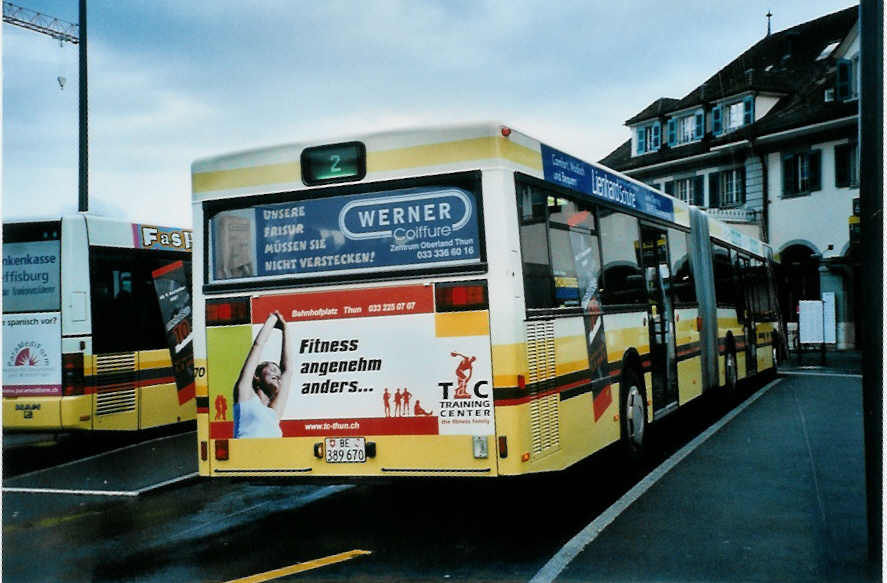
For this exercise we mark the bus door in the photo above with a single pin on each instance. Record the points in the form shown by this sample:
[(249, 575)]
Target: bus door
[(745, 273), (660, 317)]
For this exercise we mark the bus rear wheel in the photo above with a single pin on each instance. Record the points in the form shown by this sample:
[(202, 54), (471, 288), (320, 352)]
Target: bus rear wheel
[(633, 415)]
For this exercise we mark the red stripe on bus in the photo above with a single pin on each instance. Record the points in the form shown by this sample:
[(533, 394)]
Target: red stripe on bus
[(424, 425), (355, 303), (602, 401), (167, 268), (186, 394), (528, 398), (221, 430)]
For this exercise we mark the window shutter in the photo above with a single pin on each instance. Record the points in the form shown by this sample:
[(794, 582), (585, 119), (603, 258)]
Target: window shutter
[(714, 195), (788, 175), (815, 170), (842, 82), (740, 194), (669, 187), (641, 139), (698, 191), (842, 165), (748, 110), (655, 136), (672, 132), (700, 125), (716, 128)]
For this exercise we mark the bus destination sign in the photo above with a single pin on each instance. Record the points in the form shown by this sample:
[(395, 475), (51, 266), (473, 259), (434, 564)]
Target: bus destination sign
[(333, 163), (580, 176)]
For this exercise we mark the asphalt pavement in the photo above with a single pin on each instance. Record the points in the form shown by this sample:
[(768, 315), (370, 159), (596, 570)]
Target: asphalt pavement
[(776, 493)]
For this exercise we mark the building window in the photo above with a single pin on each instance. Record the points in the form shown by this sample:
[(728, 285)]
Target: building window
[(731, 116), (689, 190), (686, 129), (727, 188), (848, 78), (847, 165), (801, 173), (648, 138)]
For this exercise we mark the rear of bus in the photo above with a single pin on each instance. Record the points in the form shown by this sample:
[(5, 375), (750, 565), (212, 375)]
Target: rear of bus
[(86, 339), (32, 329), (382, 288)]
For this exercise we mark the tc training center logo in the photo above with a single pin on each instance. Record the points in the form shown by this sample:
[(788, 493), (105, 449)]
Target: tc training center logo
[(28, 354)]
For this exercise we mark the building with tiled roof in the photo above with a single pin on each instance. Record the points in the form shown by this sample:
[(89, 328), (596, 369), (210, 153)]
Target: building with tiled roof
[(769, 144)]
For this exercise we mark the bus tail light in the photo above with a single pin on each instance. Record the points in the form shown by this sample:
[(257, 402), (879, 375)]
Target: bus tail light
[(204, 451), (72, 374), (222, 449), (503, 446), (698, 323), (228, 311), (452, 297)]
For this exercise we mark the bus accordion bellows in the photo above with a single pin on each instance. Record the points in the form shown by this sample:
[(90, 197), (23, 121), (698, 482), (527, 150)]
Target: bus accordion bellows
[(455, 301), (96, 325)]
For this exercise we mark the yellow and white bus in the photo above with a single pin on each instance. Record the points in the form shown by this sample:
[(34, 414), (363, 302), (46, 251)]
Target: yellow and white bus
[(460, 301), (96, 325)]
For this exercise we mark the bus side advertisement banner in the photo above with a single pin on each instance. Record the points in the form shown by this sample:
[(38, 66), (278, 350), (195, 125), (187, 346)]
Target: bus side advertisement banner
[(376, 362), (400, 229), (31, 276), (32, 354), (580, 176), (172, 287)]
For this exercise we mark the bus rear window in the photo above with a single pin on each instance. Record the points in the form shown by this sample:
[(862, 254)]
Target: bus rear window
[(32, 267), (356, 233)]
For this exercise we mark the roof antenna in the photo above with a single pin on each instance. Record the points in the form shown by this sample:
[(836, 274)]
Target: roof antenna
[(769, 14)]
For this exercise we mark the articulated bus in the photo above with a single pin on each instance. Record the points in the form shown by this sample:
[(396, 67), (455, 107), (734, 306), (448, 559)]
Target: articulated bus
[(460, 301), (96, 325)]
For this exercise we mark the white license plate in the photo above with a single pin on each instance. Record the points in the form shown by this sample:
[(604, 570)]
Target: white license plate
[(345, 450)]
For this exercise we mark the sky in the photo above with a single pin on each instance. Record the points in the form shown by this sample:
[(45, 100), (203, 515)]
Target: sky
[(171, 82)]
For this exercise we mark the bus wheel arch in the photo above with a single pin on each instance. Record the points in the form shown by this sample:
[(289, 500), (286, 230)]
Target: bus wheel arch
[(633, 422)]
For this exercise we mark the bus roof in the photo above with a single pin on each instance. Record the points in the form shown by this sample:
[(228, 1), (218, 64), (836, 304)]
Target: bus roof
[(421, 151), (117, 232)]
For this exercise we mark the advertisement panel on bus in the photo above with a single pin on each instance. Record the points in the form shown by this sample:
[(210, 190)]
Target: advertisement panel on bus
[(400, 229), (351, 376)]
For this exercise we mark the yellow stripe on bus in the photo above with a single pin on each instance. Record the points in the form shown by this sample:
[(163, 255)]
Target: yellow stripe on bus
[(462, 324), (382, 161), (451, 152), (286, 172)]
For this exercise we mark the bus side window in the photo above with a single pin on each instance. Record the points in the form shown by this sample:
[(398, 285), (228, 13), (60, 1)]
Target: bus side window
[(534, 247), (125, 311), (682, 284), (725, 290), (620, 243)]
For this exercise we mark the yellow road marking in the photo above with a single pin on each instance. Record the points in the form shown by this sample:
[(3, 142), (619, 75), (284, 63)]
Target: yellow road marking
[(300, 567)]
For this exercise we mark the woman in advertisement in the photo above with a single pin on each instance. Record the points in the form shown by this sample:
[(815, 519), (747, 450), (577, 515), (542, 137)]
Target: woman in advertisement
[(262, 390)]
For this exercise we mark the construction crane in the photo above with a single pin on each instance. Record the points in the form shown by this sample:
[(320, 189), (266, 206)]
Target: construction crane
[(48, 25), (74, 34)]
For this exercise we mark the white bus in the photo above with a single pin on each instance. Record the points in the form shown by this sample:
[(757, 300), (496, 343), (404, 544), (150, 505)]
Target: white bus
[(461, 301), (90, 308)]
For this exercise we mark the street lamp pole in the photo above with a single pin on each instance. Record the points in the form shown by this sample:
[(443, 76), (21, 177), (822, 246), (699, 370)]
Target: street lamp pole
[(83, 182)]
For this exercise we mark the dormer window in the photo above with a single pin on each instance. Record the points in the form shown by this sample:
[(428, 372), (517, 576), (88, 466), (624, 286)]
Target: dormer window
[(848, 79), (686, 128), (732, 115), (649, 138)]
